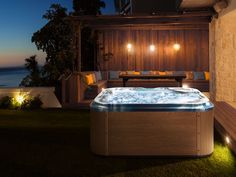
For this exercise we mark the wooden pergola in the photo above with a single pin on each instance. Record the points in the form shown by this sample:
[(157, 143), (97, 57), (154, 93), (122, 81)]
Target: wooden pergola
[(185, 20)]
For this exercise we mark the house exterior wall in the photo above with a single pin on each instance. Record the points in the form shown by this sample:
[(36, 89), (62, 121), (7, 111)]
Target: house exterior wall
[(223, 56)]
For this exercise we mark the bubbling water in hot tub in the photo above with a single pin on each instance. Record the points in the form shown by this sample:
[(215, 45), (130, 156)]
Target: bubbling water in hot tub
[(139, 95)]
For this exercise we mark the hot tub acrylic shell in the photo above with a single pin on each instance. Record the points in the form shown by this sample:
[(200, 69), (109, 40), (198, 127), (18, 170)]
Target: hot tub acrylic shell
[(160, 132)]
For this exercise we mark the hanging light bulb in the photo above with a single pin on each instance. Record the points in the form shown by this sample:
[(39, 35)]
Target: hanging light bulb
[(152, 48), (129, 47), (176, 46), (227, 139)]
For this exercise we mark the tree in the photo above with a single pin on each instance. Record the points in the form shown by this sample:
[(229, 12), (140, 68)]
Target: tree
[(88, 7), (56, 39), (34, 77)]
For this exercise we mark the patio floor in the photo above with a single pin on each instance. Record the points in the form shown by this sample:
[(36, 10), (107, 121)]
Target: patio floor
[(56, 143)]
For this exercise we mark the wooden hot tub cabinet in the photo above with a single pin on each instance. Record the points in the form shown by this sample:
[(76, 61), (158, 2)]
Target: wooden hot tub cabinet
[(152, 133)]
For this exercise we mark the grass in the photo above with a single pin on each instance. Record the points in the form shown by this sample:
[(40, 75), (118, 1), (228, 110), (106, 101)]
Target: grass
[(55, 143)]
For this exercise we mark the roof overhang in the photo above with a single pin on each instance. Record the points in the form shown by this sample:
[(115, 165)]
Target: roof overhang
[(185, 18), (190, 4)]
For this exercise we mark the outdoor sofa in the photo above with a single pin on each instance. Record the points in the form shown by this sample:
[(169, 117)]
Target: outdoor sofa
[(91, 83)]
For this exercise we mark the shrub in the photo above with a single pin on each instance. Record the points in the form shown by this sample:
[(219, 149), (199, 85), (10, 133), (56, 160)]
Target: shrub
[(32, 103), (6, 102)]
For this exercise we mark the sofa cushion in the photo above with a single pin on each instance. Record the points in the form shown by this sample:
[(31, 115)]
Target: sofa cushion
[(114, 74), (162, 73), (99, 84), (189, 75), (136, 73), (198, 76), (178, 72), (90, 79), (98, 75), (207, 76), (130, 72), (169, 73), (145, 72)]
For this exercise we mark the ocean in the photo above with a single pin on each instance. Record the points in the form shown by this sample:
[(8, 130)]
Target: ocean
[(12, 77)]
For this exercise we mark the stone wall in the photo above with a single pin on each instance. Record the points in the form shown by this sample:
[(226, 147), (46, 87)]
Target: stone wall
[(223, 57)]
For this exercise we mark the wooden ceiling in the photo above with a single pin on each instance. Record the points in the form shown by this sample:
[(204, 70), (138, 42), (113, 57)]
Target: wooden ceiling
[(186, 4)]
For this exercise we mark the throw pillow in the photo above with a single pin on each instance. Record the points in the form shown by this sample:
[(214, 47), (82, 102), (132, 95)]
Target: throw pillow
[(136, 73), (169, 73), (207, 75), (114, 74), (98, 75), (89, 79), (189, 75), (145, 72), (162, 73), (198, 75)]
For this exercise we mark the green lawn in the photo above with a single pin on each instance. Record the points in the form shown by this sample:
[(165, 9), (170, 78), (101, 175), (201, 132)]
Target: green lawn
[(55, 143)]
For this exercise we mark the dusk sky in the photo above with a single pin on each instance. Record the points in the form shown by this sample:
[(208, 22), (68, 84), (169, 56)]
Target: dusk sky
[(19, 19)]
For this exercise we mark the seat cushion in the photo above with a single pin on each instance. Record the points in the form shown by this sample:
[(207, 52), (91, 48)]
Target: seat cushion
[(98, 75), (99, 84), (178, 72), (114, 74)]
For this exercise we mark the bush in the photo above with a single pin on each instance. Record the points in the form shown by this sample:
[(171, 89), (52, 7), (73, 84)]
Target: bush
[(8, 102), (32, 103)]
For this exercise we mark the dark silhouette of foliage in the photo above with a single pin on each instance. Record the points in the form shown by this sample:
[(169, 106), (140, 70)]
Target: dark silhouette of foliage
[(88, 7), (56, 39), (5, 102), (34, 77)]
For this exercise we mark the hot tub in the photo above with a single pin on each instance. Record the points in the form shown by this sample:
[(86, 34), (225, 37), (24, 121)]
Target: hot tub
[(151, 121)]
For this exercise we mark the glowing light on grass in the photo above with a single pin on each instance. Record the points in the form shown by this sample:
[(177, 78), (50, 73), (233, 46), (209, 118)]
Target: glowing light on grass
[(20, 99)]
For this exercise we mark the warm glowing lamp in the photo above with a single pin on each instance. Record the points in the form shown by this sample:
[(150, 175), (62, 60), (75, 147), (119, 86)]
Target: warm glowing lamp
[(20, 99), (152, 48), (227, 140), (176, 46), (129, 47)]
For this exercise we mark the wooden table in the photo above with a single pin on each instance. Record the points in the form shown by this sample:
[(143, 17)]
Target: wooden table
[(178, 78)]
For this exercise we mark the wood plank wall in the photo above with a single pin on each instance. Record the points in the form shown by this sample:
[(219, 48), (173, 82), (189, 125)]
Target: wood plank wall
[(192, 56)]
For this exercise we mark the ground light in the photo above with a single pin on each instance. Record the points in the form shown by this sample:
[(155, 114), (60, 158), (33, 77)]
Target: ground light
[(20, 99)]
